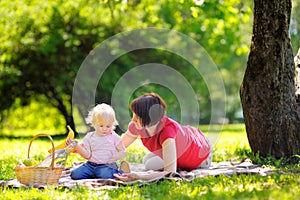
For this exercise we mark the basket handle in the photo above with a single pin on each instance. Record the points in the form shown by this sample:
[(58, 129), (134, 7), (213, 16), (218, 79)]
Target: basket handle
[(39, 135)]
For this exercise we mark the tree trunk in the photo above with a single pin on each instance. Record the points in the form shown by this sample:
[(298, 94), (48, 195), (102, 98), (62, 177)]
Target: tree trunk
[(268, 89), (57, 101)]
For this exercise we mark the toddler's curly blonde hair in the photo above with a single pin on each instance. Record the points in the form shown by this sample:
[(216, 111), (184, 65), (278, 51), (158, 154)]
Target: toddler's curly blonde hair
[(101, 111)]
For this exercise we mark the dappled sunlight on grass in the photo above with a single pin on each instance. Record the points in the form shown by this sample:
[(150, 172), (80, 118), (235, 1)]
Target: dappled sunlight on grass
[(226, 140), (232, 145)]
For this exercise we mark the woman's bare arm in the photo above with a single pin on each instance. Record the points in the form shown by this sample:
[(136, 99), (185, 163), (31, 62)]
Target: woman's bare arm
[(128, 138), (135, 176), (169, 155), (170, 162)]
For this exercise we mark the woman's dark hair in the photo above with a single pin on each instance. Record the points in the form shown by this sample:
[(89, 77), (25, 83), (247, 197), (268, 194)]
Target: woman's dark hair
[(150, 107)]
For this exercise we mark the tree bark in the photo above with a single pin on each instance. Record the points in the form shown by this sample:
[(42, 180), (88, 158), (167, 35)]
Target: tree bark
[(268, 90)]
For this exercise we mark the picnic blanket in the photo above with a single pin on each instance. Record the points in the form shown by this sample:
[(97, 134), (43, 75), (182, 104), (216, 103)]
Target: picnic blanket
[(225, 168)]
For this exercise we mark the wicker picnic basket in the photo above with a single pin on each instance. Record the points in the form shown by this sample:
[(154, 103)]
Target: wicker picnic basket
[(39, 175)]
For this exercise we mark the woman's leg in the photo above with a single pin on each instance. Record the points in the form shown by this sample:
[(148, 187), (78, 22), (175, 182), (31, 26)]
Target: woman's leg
[(153, 162), (148, 156)]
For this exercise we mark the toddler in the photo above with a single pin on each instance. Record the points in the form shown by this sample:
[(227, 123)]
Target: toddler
[(101, 147)]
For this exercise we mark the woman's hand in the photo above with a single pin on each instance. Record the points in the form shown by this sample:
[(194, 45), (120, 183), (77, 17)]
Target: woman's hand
[(134, 176), (127, 177)]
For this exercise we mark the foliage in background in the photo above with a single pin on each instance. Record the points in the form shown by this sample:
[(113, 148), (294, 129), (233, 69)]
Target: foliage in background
[(40, 56), (295, 26), (38, 115)]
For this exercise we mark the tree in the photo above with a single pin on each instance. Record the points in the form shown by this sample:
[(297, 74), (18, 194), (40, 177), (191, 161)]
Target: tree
[(268, 98)]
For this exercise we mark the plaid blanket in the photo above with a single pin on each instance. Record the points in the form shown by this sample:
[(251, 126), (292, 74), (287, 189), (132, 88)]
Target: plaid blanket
[(225, 168)]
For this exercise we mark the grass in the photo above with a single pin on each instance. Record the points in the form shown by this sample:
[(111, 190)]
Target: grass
[(230, 144)]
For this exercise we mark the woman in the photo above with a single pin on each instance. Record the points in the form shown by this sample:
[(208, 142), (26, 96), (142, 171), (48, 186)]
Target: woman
[(171, 145)]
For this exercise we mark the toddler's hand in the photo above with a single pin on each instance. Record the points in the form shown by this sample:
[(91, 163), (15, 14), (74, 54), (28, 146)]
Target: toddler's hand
[(69, 141)]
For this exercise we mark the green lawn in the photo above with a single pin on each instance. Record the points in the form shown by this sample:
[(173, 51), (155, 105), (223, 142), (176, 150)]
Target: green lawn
[(230, 144)]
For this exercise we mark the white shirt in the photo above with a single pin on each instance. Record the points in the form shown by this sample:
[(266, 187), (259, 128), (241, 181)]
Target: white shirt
[(102, 148)]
